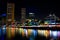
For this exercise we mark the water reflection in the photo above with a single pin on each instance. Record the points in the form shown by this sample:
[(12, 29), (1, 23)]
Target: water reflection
[(46, 33), (0, 31), (58, 33), (29, 33), (8, 32)]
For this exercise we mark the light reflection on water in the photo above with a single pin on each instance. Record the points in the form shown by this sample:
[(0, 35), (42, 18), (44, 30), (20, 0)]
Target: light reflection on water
[(0, 31), (45, 33), (29, 32)]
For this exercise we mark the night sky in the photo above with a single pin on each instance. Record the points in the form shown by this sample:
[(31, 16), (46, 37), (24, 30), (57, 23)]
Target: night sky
[(40, 8)]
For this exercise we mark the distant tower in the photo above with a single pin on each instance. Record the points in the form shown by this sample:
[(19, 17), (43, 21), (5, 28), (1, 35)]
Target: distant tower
[(23, 15), (10, 13)]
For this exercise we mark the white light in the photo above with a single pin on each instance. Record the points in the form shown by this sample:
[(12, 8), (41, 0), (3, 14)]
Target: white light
[(31, 13), (25, 31), (54, 33), (52, 23)]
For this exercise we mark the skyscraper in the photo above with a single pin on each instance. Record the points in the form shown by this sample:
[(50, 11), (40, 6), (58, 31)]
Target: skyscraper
[(23, 15), (10, 13)]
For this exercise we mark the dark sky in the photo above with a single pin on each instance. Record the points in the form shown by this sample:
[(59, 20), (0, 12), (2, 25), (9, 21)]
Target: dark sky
[(40, 8)]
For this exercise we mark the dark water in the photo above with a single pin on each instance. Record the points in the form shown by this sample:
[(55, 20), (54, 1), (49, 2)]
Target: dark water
[(18, 36)]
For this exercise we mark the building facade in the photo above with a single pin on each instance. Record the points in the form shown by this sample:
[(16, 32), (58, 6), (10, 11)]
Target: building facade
[(23, 15), (10, 13), (51, 19)]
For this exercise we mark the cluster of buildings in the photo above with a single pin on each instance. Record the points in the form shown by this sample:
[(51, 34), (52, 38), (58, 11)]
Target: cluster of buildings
[(52, 19)]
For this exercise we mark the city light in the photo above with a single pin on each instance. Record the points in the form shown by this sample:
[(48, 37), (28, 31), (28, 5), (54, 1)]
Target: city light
[(41, 32), (26, 33), (58, 33), (46, 33), (29, 32), (53, 33), (34, 32), (8, 32), (12, 32), (16, 30), (4, 29), (20, 30), (25, 21), (31, 13)]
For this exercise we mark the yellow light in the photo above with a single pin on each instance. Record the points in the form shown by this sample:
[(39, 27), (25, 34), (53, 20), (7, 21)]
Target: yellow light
[(46, 22), (8, 32), (41, 32), (29, 20), (21, 31), (12, 32), (16, 30), (23, 34), (46, 33), (29, 32)]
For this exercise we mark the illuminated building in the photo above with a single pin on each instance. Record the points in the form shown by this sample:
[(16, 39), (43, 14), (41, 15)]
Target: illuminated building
[(10, 13), (31, 15), (23, 15), (51, 19)]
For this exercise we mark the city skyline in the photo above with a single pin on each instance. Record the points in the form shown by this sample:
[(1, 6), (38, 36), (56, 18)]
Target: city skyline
[(37, 7)]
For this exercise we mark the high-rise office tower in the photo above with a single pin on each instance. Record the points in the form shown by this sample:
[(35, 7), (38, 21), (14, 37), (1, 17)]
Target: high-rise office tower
[(23, 15), (10, 13)]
